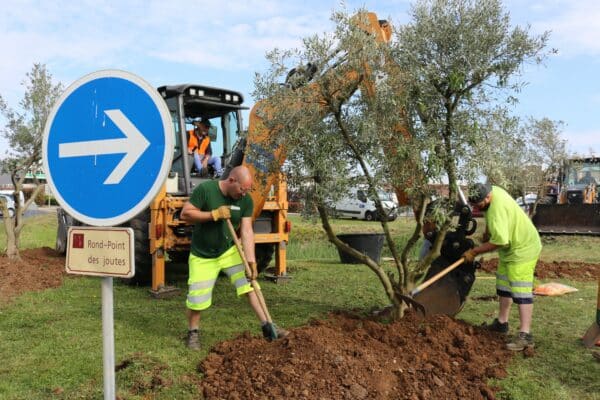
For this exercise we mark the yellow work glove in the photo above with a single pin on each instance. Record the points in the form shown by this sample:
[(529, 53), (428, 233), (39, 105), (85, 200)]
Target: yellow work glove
[(253, 271), (469, 256), (222, 212)]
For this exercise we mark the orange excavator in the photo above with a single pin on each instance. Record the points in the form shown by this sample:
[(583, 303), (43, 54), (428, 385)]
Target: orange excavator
[(160, 234)]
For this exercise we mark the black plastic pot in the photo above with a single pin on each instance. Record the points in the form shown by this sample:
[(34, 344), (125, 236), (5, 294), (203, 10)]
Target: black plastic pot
[(370, 244)]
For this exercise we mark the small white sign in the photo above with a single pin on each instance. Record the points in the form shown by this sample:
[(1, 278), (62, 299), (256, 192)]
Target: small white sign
[(100, 251)]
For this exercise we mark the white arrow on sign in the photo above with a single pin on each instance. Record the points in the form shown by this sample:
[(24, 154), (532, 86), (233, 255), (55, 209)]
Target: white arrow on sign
[(133, 145)]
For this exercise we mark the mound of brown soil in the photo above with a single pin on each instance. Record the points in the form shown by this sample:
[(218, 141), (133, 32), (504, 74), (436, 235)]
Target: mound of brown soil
[(556, 269), (352, 358), (38, 269)]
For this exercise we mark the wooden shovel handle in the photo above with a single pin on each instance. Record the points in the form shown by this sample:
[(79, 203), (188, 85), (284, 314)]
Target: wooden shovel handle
[(253, 283)]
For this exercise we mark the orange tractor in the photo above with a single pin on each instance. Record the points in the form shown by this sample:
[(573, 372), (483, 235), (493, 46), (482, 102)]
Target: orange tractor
[(572, 206), (159, 232)]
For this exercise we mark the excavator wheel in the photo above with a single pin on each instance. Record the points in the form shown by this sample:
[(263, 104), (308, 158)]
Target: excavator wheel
[(179, 257), (64, 222), (264, 255), (143, 259)]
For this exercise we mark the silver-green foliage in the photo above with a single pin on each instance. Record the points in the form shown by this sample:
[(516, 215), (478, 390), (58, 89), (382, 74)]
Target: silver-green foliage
[(405, 111), (461, 60)]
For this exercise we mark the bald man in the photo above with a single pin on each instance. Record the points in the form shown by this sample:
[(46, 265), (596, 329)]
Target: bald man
[(213, 249)]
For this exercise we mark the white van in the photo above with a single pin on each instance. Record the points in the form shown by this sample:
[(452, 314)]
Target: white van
[(10, 193), (358, 206), (10, 205)]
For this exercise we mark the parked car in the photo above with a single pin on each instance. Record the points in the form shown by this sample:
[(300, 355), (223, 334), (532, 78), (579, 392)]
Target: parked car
[(527, 203), (357, 205), (10, 204)]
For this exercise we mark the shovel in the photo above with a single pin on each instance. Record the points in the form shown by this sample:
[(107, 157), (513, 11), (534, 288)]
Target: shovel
[(592, 335), (261, 300), (414, 303)]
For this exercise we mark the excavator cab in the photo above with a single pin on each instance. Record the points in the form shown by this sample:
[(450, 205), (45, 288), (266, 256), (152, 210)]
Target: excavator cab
[(221, 109)]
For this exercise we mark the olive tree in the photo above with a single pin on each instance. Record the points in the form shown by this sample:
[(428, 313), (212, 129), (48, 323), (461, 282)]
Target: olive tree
[(522, 156), (389, 109), (24, 132)]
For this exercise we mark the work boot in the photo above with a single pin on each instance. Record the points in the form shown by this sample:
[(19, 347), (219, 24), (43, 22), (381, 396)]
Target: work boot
[(497, 326), (521, 342), (271, 331), (193, 340)]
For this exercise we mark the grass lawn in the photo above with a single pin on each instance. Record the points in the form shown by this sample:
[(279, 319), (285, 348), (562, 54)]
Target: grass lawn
[(51, 341)]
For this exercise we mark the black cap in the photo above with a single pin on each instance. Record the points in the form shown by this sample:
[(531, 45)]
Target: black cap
[(478, 192), (203, 121)]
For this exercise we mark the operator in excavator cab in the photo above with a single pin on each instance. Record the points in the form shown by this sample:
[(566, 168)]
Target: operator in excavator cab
[(199, 146), (517, 241), (588, 179)]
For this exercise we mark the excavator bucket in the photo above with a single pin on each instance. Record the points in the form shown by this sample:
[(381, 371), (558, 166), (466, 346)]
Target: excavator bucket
[(448, 294), (574, 219), (441, 297)]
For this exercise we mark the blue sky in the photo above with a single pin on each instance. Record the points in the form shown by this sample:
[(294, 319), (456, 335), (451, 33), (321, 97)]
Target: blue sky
[(223, 43)]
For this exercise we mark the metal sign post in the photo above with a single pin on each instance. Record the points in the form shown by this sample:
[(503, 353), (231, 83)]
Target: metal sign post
[(108, 339), (106, 252), (107, 151)]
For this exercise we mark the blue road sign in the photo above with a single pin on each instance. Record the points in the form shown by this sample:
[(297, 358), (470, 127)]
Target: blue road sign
[(108, 147)]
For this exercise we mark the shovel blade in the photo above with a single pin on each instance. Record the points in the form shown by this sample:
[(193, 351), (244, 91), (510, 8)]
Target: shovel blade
[(592, 336)]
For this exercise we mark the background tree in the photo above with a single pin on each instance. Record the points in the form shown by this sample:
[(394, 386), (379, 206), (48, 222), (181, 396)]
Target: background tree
[(549, 152), (24, 132), (522, 157), (403, 111)]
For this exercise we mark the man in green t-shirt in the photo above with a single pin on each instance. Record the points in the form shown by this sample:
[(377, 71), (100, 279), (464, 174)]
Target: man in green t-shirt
[(213, 249), (509, 231)]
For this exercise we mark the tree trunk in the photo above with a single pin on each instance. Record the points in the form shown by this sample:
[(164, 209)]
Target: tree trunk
[(12, 241), (398, 310)]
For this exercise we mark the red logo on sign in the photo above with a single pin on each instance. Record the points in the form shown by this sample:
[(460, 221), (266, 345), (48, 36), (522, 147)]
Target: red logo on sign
[(78, 240)]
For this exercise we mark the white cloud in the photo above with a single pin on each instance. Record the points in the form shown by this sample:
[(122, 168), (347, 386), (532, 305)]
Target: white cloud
[(228, 35), (583, 141), (574, 26)]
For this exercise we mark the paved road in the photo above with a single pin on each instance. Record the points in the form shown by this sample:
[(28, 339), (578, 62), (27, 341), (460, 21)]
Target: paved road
[(34, 209)]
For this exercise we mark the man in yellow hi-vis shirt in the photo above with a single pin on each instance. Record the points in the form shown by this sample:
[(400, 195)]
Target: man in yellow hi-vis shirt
[(509, 231)]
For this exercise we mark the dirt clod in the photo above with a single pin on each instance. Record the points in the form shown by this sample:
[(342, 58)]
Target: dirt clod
[(331, 367), (580, 271), (38, 269)]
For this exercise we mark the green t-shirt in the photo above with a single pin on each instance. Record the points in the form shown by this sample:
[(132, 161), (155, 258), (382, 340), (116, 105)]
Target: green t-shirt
[(211, 239), (511, 229)]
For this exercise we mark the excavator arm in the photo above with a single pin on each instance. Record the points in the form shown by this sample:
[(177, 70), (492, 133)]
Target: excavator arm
[(262, 157)]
